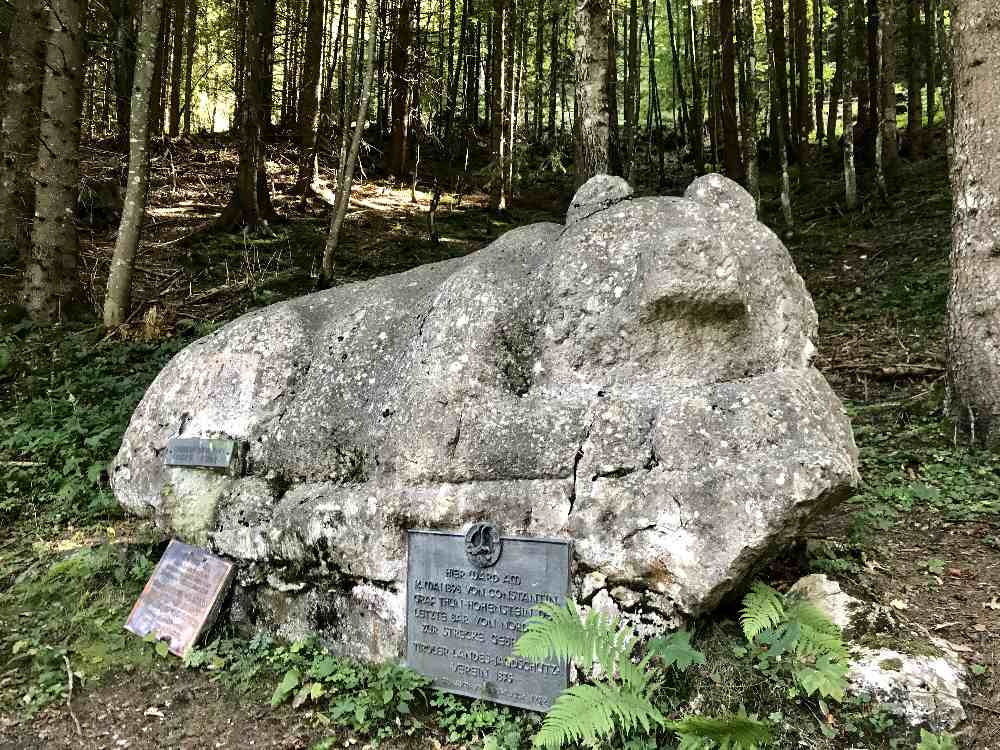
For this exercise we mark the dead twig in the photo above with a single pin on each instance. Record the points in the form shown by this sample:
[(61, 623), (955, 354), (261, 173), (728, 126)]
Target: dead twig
[(69, 696)]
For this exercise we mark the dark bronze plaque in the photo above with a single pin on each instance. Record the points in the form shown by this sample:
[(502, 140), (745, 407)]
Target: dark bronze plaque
[(182, 597), (462, 618), (202, 452)]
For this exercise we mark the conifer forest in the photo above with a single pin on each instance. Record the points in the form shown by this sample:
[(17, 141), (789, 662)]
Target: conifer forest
[(434, 264)]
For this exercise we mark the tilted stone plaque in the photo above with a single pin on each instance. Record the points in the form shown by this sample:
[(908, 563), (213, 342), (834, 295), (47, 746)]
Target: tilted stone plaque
[(468, 598), (209, 453), (182, 598)]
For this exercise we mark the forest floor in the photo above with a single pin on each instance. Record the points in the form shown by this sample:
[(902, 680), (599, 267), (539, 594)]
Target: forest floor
[(922, 536)]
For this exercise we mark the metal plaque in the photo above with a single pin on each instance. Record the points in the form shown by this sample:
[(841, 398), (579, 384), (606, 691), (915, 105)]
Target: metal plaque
[(182, 598), (202, 452), (468, 598)]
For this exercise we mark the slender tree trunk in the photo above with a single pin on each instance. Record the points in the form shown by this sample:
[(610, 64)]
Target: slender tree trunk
[(19, 125), (177, 68), (777, 76), (309, 96), (731, 161), (119, 295), (749, 101), (837, 87), (124, 64), (780, 61), (400, 91), (697, 107), (803, 100), (192, 46), (915, 65), (554, 58), (930, 58), (539, 62), (162, 55), (614, 133), (888, 151), (502, 54), (973, 312), (850, 176), (676, 69), (52, 282), (250, 206), (345, 185), (819, 92), (592, 122), (631, 87)]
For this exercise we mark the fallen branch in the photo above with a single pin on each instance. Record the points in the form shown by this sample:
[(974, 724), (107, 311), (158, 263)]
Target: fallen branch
[(69, 696), (890, 372)]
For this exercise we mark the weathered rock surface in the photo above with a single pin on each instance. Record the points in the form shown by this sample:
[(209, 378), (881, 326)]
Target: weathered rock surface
[(638, 380)]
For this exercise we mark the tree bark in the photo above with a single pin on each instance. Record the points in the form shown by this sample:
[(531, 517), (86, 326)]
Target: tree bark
[(192, 46), (819, 91), (677, 71), (973, 308), (837, 86), (118, 299), (731, 160), (52, 282), (803, 99), (554, 59), (501, 90), (124, 65), (162, 56), (850, 63), (19, 125), (347, 181), (780, 62), (930, 58), (400, 91), (250, 206), (915, 66), (592, 122), (309, 95), (888, 150), (177, 68), (697, 122), (749, 101)]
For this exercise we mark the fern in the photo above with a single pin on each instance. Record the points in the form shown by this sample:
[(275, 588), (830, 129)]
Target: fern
[(676, 650), (794, 625), (589, 713), (737, 732), (763, 609)]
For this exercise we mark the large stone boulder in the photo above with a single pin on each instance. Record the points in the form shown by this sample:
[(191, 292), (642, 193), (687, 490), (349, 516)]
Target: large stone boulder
[(638, 381)]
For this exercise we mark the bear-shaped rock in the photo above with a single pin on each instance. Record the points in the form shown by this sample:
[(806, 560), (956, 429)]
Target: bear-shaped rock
[(638, 381)]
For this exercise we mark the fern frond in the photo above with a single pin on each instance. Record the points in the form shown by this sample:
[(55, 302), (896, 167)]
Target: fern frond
[(560, 634), (763, 609), (819, 635), (828, 678), (737, 732), (589, 713)]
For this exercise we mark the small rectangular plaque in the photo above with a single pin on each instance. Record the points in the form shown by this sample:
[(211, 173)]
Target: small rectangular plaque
[(462, 620), (202, 452), (181, 599)]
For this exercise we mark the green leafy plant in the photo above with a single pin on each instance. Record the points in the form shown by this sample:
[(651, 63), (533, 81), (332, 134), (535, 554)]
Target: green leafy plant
[(789, 632), (930, 741), (617, 701)]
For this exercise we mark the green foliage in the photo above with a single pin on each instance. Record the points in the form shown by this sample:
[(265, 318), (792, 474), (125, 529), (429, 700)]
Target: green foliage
[(790, 633), (70, 608), (464, 721), (737, 732), (930, 741), (618, 701)]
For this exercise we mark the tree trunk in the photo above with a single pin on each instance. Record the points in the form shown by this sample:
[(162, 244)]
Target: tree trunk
[(614, 142), (500, 108), (250, 206), (124, 65), (819, 92), (697, 137), (837, 87), (915, 65), (780, 61), (539, 62), (973, 312), (730, 129), (192, 46), (52, 282), (162, 55), (177, 68), (554, 57), (309, 95), (802, 98), (400, 91), (930, 59), (19, 125), (118, 298), (888, 150), (631, 87), (347, 181), (749, 102), (850, 62), (592, 122), (677, 71)]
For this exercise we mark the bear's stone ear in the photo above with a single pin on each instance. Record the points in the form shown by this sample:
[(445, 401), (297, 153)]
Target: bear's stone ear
[(721, 193), (596, 194)]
